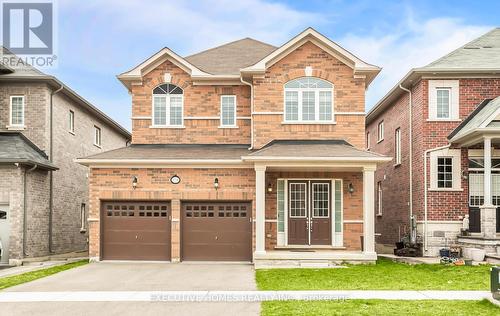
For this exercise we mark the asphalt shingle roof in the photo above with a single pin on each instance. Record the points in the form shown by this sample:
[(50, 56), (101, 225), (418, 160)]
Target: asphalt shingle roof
[(16, 148)]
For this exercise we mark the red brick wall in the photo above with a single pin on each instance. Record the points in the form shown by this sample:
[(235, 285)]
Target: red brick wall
[(199, 101), (442, 206), (349, 96)]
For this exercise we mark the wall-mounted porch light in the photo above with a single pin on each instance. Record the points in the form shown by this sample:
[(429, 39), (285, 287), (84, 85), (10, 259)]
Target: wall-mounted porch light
[(216, 183), (350, 188), (134, 182), (269, 187)]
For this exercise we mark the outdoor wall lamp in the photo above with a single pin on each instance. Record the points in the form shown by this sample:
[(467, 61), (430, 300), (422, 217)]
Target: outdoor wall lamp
[(216, 183), (269, 187), (350, 188), (134, 182)]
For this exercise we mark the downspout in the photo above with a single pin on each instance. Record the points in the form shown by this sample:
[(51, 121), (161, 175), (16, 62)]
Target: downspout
[(425, 191), (410, 154), (251, 111), (51, 152), (25, 210)]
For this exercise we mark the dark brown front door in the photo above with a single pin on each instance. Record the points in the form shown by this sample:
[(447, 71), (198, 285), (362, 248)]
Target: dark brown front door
[(309, 213), (135, 231), (214, 231)]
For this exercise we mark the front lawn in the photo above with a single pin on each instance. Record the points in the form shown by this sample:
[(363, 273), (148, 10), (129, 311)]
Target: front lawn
[(33, 275), (385, 275), (379, 307)]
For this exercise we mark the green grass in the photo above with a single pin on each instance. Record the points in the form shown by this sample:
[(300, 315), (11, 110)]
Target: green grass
[(385, 275), (34, 275), (379, 307)]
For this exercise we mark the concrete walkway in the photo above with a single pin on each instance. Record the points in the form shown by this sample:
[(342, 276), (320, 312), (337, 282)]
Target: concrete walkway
[(234, 296)]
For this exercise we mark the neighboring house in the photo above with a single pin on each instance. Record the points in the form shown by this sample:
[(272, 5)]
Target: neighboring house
[(44, 126), (452, 120), (243, 152)]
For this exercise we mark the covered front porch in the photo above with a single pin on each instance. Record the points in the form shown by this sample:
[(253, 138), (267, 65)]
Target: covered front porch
[(314, 204)]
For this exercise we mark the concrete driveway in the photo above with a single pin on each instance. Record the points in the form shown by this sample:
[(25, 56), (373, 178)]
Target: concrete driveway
[(140, 276)]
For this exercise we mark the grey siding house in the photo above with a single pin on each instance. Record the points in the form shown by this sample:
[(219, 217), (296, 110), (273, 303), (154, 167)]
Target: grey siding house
[(44, 126)]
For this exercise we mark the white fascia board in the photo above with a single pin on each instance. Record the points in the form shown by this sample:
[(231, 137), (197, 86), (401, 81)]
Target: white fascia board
[(316, 159), (86, 162)]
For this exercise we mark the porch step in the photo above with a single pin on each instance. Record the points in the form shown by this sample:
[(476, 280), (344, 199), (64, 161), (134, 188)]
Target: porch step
[(314, 264)]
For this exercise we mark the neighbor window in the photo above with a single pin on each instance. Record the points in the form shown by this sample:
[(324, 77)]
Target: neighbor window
[(228, 111), (82, 218), (379, 198), (444, 172), (97, 136), (380, 131), (368, 140), (17, 110), (71, 121), (397, 146), (443, 102), (308, 99), (168, 103)]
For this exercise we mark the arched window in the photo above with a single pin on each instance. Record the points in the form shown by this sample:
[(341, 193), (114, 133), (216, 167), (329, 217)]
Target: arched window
[(308, 99), (167, 105)]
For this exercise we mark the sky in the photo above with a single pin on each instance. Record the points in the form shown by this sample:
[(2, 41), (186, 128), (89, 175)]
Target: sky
[(97, 40)]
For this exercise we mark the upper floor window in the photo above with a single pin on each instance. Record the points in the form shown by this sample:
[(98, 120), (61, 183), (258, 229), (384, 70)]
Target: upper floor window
[(17, 110), (228, 111), (308, 99), (397, 146), (368, 140), (97, 136), (168, 104), (380, 136), (71, 122), (443, 100)]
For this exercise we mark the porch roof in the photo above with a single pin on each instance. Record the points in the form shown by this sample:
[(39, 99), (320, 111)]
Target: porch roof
[(16, 148), (484, 120), (317, 150)]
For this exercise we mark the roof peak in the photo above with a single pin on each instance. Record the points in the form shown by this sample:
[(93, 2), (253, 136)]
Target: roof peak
[(229, 44)]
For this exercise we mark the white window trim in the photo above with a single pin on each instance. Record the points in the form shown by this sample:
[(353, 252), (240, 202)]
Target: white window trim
[(397, 146), (71, 122), (380, 131), (380, 197), (167, 111), (10, 112), (100, 136), (235, 125), (455, 156), (453, 86), (316, 105)]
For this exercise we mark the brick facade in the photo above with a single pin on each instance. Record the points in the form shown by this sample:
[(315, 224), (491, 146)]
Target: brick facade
[(443, 207)]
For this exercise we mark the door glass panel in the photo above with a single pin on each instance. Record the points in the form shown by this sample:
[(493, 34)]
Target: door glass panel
[(321, 200), (338, 206), (297, 199), (281, 205)]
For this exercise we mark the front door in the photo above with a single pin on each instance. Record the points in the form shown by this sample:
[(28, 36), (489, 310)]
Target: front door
[(309, 209), (4, 234)]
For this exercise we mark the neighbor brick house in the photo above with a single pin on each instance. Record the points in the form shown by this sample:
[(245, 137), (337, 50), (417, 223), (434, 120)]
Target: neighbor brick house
[(243, 152), (44, 126), (435, 123)]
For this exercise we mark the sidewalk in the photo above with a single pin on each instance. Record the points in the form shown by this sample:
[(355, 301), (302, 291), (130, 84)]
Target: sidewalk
[(235, 296), (33, 266)]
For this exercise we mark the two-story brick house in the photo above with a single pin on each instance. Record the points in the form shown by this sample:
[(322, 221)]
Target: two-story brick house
[(44, 126), (243, 152), (435, 124)]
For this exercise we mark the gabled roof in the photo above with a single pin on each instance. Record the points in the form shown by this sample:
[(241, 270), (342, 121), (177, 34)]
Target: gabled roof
[(229, 58), (30, 73), (480, 56), (16, 148), (483, 120), (359, 66)]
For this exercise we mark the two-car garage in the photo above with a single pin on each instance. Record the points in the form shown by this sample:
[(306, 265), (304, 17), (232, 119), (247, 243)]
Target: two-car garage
[(209, 231)]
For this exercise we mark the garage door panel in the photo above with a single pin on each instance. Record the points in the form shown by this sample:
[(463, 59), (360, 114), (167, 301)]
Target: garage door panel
[(136, 231), (216, 231)]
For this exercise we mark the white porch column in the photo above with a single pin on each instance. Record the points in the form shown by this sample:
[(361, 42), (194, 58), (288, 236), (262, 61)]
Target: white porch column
[(369, 210), (488, 210), (260, 210)]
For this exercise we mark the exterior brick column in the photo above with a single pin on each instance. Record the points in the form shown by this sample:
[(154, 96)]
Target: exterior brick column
[(176, 231)]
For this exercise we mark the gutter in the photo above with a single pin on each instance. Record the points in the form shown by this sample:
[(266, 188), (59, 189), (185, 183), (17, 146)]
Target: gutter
[(51, 176), (251, 111), (25, 209), (410, 155), (425, 192)]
